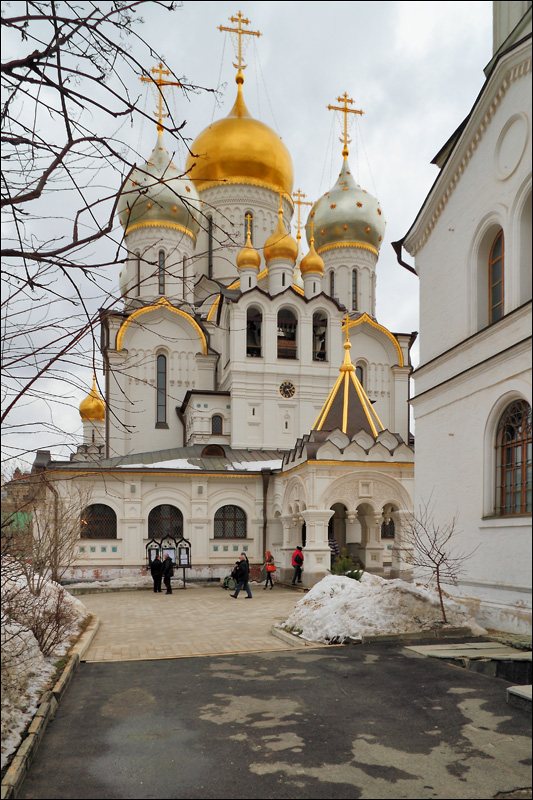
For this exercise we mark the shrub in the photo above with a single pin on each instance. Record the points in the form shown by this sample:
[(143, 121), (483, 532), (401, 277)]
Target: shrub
[(345, 565)]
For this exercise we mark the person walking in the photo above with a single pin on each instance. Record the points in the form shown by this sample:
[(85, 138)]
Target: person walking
[(297, 563), (156, 568), (168, 572), (334, 551), (270, 568), (243, 577)]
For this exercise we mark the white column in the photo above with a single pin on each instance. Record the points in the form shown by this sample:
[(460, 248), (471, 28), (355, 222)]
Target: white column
[(312, 284), (248, 278), (316, 552), (400, 566), (372, 553), (279, 275)]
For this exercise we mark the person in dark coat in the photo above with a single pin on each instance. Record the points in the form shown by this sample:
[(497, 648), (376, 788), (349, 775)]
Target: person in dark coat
[(243, 576), (297, 563), (156, 568), (168, 572)]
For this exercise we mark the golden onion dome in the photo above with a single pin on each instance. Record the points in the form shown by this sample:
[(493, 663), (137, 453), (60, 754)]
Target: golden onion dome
[(92, 409), (157, 195), (280, 244), (312, 262), (240, 149), (347, 216), (248, 257)]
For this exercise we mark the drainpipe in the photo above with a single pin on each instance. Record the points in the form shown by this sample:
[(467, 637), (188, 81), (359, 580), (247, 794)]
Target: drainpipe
[(265, 475)]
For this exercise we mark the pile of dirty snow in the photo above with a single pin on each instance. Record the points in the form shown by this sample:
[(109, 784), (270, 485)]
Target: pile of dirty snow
[(338, 607), (26, 672)]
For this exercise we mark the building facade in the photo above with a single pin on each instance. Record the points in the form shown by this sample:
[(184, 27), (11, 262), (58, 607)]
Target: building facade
[(472, 401)]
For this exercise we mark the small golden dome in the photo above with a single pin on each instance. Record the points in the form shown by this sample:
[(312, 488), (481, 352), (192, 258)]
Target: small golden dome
[(248, 257), (312, 262), (240, 149), (280, 244), (92, 409)]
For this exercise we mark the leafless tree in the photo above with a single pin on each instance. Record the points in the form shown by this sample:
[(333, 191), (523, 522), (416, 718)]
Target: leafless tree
[(430, 548), (70, 96)]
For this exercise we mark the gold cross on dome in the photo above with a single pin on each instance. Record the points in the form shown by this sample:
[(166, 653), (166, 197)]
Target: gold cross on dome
[(159, 81), (346, 325), (240, 31), (345, 110), (298, 196)]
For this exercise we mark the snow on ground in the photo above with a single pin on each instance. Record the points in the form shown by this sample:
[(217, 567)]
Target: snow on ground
[(26, 672), (338, 607)]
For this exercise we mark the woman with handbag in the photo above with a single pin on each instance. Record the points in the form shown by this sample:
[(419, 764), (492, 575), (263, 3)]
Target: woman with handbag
[(270, 568)]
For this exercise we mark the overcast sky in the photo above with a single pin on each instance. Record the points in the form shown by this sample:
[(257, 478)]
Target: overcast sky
[(414, 67)]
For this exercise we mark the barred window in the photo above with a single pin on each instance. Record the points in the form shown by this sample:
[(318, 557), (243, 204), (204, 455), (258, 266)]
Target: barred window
[(513, 460), (98, 521), (230, 523), (217, 425), (165, 521), (387, 528)]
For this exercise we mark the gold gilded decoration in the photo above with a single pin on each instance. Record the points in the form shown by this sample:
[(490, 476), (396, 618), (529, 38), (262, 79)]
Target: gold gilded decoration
[(154, 223), (299, 202), (379, 211), (240, 31), (161, 303), (92, 409), (287, 389), (160, 82), (312, 262), (248, 257), (359, 205), (236, 285), (346, 101), (335, 245), (365, 319), (280, 244)]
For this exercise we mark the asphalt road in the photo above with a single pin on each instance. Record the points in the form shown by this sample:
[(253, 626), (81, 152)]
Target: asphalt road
[(370, 721)]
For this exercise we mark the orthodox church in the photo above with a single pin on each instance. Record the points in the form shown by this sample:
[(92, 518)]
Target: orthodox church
[(250, 399)]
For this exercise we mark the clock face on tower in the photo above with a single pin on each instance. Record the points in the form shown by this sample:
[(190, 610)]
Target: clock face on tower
[(287, 389)]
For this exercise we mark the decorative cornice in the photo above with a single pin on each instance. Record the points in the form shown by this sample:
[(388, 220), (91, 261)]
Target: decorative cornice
[(357, 245), (175, 226), (513, 74), (364, 318), (163, 303), (236, 285), (247, 182), (370, 465)]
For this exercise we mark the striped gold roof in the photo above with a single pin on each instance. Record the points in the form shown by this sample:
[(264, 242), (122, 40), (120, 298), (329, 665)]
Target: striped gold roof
[(348, 407)]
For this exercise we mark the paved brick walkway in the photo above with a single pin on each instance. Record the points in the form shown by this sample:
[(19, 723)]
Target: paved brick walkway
[(197, 621)]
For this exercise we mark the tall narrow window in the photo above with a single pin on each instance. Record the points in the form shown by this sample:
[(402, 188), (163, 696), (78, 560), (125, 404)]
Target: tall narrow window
[(332, 284), (138, 270), (513, 460), (161, 390), (354, 290), (249, 220), (254, 320), (161, 272), (287, 334), (496, 274), (320, 332), (216, 425), (210, 246), (360, 373)]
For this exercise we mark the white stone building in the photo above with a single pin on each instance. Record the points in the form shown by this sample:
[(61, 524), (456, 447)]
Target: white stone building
[(471, 242), (218, 359)]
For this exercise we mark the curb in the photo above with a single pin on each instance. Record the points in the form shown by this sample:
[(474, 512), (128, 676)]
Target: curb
[(436, 633), (290, 638), (46, 711)]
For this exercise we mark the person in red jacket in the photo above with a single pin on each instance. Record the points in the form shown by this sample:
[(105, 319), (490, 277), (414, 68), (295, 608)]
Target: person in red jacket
[(297, 562)]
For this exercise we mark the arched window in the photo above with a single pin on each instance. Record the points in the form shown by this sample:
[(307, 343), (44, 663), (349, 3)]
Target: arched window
[(138, 270), (165, 521), (513, 460), (354, 290), (209, 246), (213, 450), (98, 521), (287, 334), (161, 272), (320, 332), (360, 373), (496, 277), (230, 523), (254, 324), (217, 425), (249, 219), (161, 392), (332, 283)]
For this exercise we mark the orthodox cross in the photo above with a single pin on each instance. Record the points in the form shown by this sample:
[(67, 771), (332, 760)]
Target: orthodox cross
[(159, 82), (299, 201), (346, 325), (345, 110), (240, 31), (248, 218)]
